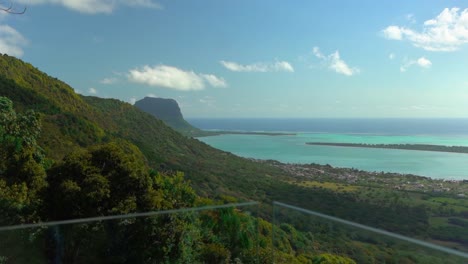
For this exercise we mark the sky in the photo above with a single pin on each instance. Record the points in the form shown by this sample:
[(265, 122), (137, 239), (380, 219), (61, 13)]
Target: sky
[(259, 59)]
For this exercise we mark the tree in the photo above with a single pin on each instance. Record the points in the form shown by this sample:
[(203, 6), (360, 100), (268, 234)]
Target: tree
[(326, 258), (113, 178), (22, 177), (22, 163)]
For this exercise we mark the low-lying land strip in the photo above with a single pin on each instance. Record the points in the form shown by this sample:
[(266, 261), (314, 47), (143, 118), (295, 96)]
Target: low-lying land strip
[(206, 133), (421, 147)]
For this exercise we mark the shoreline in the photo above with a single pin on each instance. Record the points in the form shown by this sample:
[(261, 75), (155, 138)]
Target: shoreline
[(357, 177)]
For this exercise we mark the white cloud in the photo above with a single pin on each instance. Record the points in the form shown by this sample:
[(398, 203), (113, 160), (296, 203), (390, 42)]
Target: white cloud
[(393, 32), (258, 67), (143, 3), (317, 53), (233, 66), (151, 95), (11, 41), (391, 56), (132, 100), (283, 66), (95, 6), (446, 32), (335, 63), (338, 65), (92, 91), (421, 62), (214, 81), (108, 81), (174, 78)]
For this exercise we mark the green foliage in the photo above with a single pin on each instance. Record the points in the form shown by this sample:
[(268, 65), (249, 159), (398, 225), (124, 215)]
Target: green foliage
[(331, 259), (22, 173), (174, 191), (106, 179)]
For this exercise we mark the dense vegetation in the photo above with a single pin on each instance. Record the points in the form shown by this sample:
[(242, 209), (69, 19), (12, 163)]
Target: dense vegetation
[(108, 179), (68, 156), (421, 147)]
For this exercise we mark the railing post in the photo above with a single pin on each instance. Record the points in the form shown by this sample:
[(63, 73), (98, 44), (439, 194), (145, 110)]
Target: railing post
[(58, 244), (273, 223)]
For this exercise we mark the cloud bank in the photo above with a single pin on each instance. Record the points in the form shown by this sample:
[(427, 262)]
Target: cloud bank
[(446, 32), (174, 78), (95, 6), (258, 67), (335, 63)]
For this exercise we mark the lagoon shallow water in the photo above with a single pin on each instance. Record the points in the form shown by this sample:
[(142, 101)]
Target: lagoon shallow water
[(292, 149)]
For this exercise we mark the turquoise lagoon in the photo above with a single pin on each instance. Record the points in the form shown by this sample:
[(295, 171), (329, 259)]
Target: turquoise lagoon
[(292, 149)]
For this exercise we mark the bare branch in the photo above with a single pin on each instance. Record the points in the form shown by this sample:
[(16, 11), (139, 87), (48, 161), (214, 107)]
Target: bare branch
[(10, 9)]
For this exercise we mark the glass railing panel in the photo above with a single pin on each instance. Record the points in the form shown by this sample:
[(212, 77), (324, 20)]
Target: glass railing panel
[(210, 234), (318, 238)]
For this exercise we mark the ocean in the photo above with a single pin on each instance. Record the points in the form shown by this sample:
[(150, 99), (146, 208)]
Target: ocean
[(292, 148)]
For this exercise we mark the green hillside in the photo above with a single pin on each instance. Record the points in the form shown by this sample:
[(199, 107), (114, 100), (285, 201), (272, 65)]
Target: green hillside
[(72, 121)]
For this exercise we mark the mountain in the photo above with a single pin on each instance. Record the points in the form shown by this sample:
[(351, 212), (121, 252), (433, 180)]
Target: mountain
[(169, 112)]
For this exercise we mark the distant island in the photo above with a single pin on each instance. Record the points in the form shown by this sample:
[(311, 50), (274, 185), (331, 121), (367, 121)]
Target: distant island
[(216, 133), (421, 147)]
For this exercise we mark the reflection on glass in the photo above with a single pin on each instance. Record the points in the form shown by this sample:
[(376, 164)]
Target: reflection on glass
[(324, 238), (213, 234)]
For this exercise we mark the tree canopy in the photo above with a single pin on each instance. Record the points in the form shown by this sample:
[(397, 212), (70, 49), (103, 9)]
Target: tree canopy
[(22, 163)]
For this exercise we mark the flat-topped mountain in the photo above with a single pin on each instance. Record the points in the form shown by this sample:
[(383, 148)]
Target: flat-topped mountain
[(169, 112), (162, 108)]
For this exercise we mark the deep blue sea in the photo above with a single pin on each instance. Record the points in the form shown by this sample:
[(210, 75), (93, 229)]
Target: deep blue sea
[(292, 148)]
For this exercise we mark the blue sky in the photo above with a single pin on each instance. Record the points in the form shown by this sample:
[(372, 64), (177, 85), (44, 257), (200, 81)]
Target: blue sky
[(254, 58)]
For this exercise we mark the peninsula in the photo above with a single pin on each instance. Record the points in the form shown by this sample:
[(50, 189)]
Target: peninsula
[(419, 147)]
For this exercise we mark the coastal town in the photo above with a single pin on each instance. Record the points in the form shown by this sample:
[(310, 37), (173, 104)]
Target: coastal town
[(355, 177)]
